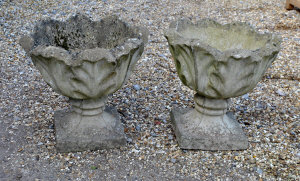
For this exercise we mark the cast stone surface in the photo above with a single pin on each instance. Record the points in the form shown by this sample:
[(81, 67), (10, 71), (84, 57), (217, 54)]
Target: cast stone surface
[(86, 61), (218, 62)]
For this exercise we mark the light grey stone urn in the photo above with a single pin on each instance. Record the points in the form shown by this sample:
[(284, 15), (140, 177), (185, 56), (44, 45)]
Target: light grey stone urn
[(217, 62), (86, 61)]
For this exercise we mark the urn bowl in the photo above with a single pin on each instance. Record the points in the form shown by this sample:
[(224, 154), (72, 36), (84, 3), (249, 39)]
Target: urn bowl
[(220, 61), (85, 59)]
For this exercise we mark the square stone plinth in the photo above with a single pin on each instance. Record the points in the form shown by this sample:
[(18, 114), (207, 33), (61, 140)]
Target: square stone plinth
[(194, 130), (75, 132)]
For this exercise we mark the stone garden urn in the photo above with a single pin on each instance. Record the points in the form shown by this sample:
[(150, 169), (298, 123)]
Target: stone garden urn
[(86, 61), (217, 62)]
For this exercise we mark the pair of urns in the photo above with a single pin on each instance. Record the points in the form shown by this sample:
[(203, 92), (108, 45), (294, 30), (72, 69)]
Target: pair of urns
[(86, 61)]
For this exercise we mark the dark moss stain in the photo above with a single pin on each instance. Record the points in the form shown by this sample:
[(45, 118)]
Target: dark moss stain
[(81, 33)]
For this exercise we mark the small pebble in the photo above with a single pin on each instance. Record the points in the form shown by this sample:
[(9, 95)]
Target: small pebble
[(170, 137), (280, 92), (129, 140), (173, 160), (51, 126), (138, 128), (245, 96), (259, 171), (137, 87)]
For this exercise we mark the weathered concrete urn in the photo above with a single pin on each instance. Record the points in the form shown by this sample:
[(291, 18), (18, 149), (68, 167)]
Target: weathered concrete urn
[(86, 61), (218, 62)]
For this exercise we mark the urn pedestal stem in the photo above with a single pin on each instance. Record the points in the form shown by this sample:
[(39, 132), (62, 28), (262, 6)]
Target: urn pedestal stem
[(88, 107), (211, 107)]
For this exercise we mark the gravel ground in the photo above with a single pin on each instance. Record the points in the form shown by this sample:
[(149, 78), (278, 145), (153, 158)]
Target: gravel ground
[(269, 114)]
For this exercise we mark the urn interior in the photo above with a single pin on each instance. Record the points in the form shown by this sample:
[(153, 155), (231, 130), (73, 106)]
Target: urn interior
[(223, 38), (79, 32)]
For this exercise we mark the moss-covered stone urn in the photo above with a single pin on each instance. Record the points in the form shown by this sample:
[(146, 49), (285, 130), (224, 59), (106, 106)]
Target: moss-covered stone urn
[(217, 62), (86, 61)]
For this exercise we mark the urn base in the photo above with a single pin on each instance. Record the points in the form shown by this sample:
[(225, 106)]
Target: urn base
[(77, 132), (195, 130)]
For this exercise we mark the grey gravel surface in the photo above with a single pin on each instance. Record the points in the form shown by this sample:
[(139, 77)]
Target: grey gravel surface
[(269, 114)]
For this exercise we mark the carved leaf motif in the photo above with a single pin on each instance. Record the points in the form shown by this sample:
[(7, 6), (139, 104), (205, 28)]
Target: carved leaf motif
[(184, 62), (55, 73), (264, 65), (125, 65), (42, 65), (135, 56), (204, 63), (232, 78), (93, 79), (89, 79)]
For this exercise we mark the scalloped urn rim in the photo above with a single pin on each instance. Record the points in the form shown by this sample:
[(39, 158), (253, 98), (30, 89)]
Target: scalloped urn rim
[(75, 59), (175, 37)]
